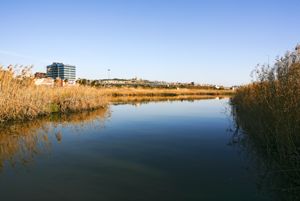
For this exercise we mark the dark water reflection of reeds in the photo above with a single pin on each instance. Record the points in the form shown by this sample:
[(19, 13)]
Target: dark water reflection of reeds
[(21, 142), (274, 155), (137, 100)]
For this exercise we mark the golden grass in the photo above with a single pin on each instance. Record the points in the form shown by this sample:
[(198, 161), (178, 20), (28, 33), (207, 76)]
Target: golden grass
[(146, 99), (148, 92), (21, 100), (268, 111), (271, 107)]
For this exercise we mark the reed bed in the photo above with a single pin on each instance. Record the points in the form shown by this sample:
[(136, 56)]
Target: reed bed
[(268, 112), (136, 100), (21, 100), (158, 92), (274, 100)]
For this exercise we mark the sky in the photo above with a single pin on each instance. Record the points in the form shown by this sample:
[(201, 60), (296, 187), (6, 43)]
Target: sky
[(202, 41)]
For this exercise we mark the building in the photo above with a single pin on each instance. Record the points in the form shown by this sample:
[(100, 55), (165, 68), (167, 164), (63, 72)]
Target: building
[(40, 75), (44, 82), (62, 71)]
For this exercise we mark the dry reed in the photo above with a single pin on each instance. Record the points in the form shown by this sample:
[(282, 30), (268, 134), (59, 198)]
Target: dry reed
[(152, 92), (268, 111), (21, 100)]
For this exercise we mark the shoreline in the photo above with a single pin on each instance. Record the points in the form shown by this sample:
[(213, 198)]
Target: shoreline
[(158, 92), (78, 99), (22, 100)]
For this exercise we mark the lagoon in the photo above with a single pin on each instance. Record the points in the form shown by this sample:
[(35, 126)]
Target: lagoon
[(166, 150)]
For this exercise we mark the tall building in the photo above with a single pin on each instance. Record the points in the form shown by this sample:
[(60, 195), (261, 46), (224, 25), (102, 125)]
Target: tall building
[(62, 71)]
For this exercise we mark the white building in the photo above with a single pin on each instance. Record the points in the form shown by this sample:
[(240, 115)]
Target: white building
[(44, 82)]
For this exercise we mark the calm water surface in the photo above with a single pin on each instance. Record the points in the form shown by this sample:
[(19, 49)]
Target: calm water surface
[(156, 151)]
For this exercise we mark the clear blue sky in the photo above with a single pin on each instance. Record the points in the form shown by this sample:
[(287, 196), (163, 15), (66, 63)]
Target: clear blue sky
[(206, 41)]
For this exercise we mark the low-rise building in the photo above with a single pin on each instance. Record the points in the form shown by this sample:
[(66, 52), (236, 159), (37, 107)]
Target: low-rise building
[(40, 75), (44, 82)]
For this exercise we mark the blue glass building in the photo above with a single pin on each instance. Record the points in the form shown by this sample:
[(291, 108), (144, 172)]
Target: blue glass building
[(62, 71)]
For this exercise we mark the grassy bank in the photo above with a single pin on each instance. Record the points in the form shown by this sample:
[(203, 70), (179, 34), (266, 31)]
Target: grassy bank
[(268, 112), (21, 100), (135, 100), (158, 92)]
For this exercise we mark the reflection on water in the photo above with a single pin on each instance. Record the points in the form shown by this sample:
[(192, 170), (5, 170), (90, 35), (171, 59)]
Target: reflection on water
[(21, 142), (165, 149), (265, 142), (138, 100)]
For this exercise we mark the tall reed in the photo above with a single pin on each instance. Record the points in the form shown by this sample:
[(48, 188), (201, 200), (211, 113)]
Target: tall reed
[(268, 112), (21, 100), (162, 92)]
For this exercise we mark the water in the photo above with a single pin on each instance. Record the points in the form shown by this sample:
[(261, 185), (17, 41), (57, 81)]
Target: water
[(155, 151)]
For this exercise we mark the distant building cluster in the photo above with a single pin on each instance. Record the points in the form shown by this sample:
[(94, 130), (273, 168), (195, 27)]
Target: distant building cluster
[(59, 74), (122, 82), (40, 75), (148, 84)]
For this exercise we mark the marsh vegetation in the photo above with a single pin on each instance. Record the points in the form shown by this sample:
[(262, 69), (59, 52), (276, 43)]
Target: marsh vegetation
[(267, 113), (164, 92), (21, 100)]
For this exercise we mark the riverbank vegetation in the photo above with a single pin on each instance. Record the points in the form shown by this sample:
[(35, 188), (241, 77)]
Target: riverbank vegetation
[(268, 112), (21, 100), (137, 100), (161, 92)]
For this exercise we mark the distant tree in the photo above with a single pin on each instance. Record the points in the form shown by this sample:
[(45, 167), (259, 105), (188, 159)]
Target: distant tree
[(93, 83), (82, 81)]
